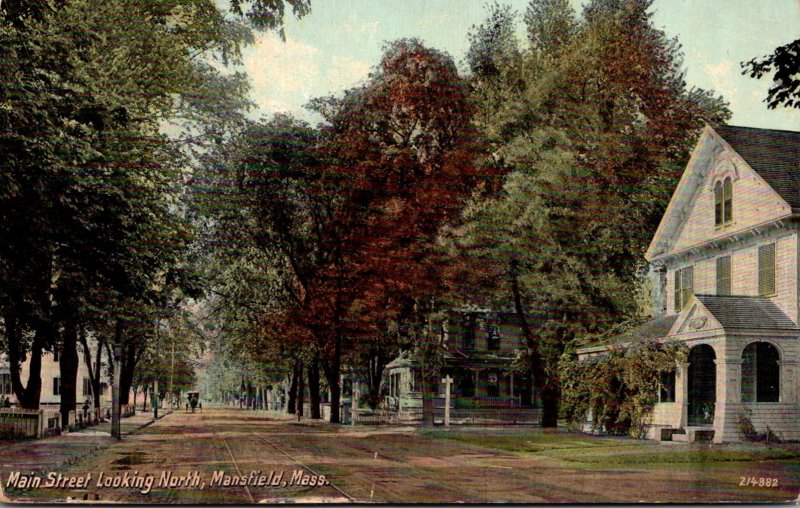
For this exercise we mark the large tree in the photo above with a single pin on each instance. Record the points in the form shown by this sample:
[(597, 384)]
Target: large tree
[(353, 209), (593, 142), (83, 102)]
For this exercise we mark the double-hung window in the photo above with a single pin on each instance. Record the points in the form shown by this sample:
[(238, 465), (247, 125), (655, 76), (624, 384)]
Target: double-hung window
[(684, 287), (723, 203)]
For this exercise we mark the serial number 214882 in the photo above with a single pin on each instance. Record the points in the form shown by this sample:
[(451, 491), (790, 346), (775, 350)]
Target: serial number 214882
[(757, 481)]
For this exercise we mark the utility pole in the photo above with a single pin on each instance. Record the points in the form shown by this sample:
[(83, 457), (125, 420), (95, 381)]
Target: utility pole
[(448, 381), (155, 397), (171, 371)]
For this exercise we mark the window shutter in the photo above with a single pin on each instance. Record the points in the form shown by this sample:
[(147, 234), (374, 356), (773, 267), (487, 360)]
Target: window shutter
[(766, 270), (677, 290), (724, 275)]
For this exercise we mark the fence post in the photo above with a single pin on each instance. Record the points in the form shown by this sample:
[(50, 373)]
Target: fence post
[(447, 382)]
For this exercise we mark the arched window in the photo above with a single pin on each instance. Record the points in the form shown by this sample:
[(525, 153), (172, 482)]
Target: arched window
[(723, 202), (727, 201), (760, 373)]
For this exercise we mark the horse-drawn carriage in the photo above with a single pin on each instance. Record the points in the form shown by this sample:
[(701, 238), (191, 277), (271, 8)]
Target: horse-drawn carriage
[(193, 400)]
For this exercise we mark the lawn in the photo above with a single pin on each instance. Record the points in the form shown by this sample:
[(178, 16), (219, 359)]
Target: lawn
[(580, 448)]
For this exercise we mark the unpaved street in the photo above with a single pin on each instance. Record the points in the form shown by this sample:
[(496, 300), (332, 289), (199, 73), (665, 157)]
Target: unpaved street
[(388, 464)]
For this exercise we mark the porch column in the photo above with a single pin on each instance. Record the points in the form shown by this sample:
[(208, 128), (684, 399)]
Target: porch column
[(788, 381), (729, 372), (682, 392)]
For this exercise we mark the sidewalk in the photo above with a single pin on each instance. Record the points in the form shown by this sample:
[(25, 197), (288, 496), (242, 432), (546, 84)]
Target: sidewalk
[(50, 453), (128, 425)]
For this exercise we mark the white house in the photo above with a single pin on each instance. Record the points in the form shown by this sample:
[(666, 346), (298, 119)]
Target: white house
[(51, 379), (724, 265)]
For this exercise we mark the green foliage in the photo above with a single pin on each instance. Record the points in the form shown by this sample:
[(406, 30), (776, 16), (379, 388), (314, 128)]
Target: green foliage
[(591, 125), (551, 25), (92, 190), (345, 216), (784, 65), (748, 431), (619, 388)]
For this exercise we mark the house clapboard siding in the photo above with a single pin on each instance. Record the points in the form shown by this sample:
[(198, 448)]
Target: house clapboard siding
[(724, 270)]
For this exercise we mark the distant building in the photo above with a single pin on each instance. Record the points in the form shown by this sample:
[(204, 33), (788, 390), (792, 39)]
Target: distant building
[(477, 349), (724, 265), (51, 380)]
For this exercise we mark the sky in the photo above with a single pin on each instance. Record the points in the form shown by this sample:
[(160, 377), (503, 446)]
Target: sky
[(335, 46)]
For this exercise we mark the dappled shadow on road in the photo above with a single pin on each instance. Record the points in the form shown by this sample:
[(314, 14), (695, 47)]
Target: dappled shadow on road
[(415, 464)]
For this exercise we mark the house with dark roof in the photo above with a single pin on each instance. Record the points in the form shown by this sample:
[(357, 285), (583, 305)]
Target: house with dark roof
[(725, 278), (477, 349)]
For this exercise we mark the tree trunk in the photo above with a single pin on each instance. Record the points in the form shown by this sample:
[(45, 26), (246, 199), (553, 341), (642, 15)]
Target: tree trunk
[(68, 366), (427, 396), (549, 391), (93, 367), (378, 359), (144, 404), (28, 396), (429, 358), (291, 403), (97, 384), (301, 388), (332, 367), (313, 386), (336, 396), (129, 360)]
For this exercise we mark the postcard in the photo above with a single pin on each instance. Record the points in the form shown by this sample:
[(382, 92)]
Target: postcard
[(436, 252)]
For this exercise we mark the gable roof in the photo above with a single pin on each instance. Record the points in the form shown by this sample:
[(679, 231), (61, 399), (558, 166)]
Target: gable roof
[(746, 312), (773, 154)]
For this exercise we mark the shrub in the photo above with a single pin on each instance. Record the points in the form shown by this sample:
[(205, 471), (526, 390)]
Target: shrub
[(620, 388), (749, 433)]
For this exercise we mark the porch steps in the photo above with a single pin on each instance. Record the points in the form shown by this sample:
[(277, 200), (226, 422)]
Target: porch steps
[(674, 435), (689, 435)]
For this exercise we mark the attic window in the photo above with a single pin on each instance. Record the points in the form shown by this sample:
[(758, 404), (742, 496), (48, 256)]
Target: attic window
[(723, 203)]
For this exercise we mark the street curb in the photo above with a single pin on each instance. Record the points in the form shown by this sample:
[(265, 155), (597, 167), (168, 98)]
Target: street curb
[(148, 423)]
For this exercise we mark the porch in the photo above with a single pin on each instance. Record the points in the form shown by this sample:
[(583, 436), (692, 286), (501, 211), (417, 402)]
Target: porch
[(729, 384)]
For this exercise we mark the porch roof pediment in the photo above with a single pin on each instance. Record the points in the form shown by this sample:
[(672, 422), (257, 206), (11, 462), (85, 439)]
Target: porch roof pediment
[(715, 312), (695, 317)]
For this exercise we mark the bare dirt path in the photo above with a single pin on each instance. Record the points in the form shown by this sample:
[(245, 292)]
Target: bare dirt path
[(213, 450)]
